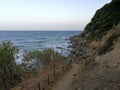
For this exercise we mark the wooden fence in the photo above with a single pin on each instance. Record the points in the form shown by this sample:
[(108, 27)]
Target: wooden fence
[(46, 80)]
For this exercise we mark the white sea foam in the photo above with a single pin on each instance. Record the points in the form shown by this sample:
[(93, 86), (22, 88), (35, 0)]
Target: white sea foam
[(38, 40)]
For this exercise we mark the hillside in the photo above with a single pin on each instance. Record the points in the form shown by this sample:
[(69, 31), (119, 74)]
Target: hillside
[(98, 50), (103, 20)]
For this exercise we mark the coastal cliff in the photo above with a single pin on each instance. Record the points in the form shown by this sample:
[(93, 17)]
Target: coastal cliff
[(97, 49)]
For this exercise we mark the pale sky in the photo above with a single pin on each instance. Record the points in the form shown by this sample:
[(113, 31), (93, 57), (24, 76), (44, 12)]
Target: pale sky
[(47, 14)]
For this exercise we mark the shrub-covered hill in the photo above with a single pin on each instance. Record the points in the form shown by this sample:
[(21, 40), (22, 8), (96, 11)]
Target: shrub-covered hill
[(103, 20), (98, 51)]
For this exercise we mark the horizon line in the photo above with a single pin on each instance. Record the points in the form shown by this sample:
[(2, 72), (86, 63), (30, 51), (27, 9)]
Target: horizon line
[(41, 30)]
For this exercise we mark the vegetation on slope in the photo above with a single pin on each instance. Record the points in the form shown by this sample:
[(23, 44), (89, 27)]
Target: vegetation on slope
[(11, 73), (103, 20), (44, 59), (109, 43)]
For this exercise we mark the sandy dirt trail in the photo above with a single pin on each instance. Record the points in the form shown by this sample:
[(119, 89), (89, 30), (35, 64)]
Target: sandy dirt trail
[(65, 82)]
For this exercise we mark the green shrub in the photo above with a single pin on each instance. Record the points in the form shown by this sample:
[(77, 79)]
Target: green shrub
[(9, 73), (46, 57), (103, 20)]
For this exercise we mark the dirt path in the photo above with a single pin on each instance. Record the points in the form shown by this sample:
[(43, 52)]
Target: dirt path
[(66, 80)]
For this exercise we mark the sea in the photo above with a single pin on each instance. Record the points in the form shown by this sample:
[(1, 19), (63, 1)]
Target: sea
[(38, 40)]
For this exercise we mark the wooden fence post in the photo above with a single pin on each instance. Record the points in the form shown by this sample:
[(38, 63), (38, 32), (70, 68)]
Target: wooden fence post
[(54, 74), (22, 87), (39, 86), (67, 66), (48, 80), (63, 68), (69, 63)]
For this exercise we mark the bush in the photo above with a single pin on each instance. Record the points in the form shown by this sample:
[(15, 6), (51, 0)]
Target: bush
[(9, 75), (47, 57), (103, 20)]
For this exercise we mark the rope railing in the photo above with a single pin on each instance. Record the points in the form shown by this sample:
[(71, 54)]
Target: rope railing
[(46, 80)]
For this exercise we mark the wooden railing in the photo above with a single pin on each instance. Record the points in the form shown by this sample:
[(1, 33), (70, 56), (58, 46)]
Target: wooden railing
[(42, 82)]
